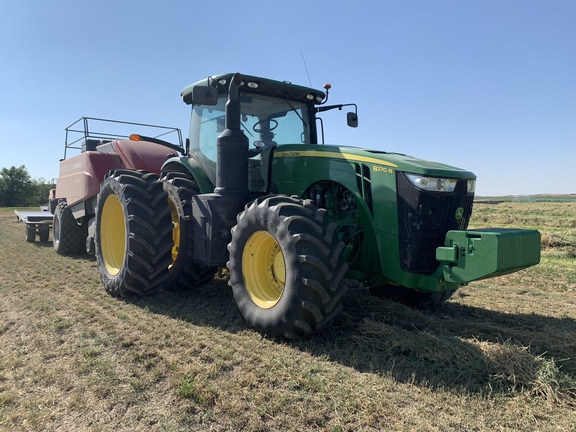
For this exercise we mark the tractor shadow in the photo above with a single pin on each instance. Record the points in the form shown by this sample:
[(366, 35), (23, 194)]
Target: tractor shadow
[(74, 256), (465, 348), (209, 305), (40, 244)]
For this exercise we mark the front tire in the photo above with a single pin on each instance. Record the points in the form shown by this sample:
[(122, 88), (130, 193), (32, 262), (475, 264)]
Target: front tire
[(133, 233), (286, 267)]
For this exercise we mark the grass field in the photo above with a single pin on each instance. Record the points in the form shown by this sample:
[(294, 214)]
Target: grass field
[(500, 356)]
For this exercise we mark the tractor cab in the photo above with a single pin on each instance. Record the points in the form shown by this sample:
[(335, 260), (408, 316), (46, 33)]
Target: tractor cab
[(265, 121), (272, 113)]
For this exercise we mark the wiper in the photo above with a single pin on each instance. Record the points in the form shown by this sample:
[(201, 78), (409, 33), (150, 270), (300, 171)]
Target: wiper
[(295, 110), (246, 129)]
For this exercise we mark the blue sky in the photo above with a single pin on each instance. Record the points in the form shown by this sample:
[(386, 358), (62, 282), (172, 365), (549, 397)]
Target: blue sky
[(489, 86)]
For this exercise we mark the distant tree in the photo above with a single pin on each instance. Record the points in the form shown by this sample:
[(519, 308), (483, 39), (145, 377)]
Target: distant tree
[(16, 187), (41, 190)]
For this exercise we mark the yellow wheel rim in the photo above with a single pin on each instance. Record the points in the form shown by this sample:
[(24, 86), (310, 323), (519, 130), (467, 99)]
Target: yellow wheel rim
[(263, 269), (175, 230), (113, 235)]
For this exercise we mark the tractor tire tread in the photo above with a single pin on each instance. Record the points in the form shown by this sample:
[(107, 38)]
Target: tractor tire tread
[(185, 274), (148, 233), (68, 236), (315, 266)]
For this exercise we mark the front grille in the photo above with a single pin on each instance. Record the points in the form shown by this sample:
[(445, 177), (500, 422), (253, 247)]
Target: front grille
[(424, 218)]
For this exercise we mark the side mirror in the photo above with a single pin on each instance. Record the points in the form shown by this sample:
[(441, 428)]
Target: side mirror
[(352, 119), (202, 95)]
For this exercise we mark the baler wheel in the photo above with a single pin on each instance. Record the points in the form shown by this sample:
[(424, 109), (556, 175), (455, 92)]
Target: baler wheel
[(133, 233), (52, 204), (68, 237), (286, 267), (183, 272)]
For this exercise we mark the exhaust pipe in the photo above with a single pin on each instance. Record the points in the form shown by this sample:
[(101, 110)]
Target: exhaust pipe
[(232, 148)]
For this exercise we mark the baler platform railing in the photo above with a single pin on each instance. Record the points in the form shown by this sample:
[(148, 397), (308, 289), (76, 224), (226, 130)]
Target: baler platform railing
[(99, 129)]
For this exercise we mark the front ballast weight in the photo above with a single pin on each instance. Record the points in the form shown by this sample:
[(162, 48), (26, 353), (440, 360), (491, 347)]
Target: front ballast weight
[(478, 254)]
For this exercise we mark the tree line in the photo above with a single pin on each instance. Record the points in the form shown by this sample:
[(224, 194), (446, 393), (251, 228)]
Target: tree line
[(18, 189)]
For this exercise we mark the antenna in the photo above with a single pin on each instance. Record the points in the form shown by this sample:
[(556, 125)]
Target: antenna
[(306, 67)]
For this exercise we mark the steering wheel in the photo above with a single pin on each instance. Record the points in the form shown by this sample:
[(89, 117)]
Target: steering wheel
[(259, 127)]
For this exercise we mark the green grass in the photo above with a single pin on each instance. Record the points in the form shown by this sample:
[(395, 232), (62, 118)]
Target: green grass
[(528, 198), (501, 355), (556, 222)]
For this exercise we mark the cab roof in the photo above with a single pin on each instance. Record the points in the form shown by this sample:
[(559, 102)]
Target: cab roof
[(264, 86)]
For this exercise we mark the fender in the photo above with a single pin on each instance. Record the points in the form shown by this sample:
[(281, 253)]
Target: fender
[(189, 165)]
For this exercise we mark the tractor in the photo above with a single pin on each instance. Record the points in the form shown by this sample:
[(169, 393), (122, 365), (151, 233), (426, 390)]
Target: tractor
[(257, 190)]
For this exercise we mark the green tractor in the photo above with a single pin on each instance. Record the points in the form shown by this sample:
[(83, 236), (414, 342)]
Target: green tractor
[(259, 192)]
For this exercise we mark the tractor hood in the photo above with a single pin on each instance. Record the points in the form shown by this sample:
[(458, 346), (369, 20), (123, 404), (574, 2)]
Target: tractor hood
[(380, 160)]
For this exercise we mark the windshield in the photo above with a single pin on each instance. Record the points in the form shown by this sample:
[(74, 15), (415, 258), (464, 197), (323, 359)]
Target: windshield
[(264, 120)]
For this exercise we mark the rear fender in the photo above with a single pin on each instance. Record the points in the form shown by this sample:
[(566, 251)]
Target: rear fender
[(188, 165)]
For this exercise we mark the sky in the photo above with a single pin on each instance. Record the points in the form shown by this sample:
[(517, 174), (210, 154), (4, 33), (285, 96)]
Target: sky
[(484, 85)]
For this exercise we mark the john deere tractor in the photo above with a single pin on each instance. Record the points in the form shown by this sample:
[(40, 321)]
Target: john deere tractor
[(292, 218)]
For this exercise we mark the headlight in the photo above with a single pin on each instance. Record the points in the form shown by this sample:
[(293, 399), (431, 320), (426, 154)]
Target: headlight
[(432, 184), (471, 186)]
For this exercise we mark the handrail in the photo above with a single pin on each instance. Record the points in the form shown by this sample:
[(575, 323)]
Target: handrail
[(90, 126)]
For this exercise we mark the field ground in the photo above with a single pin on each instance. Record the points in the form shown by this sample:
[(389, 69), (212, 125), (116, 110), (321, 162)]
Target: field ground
[(528, 198), (499, 356)]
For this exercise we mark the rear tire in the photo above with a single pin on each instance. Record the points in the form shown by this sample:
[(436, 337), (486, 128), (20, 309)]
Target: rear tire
[(68, 237), (183, 273), (133, 233), (286, 267)]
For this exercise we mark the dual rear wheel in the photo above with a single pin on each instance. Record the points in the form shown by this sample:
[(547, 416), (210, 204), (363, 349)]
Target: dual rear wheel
[(183, 272), (144, 235)]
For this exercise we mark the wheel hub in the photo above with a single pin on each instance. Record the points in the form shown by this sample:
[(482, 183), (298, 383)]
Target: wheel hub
[(263, 269), (113, 235), (175, 230)]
